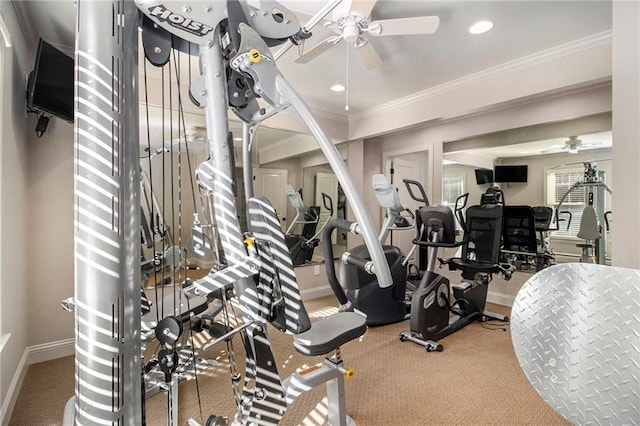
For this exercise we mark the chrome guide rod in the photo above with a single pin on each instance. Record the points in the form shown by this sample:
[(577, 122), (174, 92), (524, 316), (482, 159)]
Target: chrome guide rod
[(107, 215), (219, 168), (248, 131)]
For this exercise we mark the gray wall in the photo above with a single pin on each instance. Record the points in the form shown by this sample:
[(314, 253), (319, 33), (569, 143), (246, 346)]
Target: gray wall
[(14, 208)]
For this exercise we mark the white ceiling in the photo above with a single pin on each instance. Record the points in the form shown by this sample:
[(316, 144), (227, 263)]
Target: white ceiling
[(410, 63), (415, 63)]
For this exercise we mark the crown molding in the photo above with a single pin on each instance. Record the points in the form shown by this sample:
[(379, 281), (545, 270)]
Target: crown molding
[(331, 116), (556, 52)]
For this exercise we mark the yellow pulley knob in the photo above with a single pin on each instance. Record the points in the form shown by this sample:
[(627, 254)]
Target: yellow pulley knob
[(254, 56), (349, 372)]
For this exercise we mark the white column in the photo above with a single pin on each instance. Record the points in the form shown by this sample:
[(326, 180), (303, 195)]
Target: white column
[(626, 134)]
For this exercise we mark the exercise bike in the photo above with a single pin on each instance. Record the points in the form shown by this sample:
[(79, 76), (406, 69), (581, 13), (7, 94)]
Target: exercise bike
[(433, 316)]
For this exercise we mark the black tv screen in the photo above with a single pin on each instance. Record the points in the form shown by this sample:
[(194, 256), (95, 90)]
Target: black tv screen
[(510, 174), (484, 176), (50, 87)]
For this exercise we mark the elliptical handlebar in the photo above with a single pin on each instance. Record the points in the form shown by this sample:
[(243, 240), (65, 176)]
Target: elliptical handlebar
[(422, 198), (328, 203), (461, 203), (557, 219)]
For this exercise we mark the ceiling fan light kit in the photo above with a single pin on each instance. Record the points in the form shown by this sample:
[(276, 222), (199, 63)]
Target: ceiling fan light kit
[(354, 25)]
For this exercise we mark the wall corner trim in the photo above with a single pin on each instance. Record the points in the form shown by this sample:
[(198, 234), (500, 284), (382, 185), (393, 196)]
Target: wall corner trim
[(33, 355), (14, 389)]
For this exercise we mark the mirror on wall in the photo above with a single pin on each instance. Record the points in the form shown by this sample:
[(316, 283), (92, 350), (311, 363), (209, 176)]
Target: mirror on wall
[(398, 167), (553, 166), (314, 192), (274, 168), (321, 189)]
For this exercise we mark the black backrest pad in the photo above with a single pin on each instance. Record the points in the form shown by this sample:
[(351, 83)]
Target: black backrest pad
[(277, 294), (484, 228), (519, 232), (542, 216)]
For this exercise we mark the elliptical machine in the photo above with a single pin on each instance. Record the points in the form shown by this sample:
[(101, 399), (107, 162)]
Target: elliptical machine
[(301, 246), (432, 316), (381, 305)]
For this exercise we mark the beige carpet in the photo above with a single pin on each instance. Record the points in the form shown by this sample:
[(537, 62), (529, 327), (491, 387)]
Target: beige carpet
[(476, 380)]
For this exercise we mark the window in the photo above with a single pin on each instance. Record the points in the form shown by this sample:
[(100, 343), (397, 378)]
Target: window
[(559, 181), (452, 188)]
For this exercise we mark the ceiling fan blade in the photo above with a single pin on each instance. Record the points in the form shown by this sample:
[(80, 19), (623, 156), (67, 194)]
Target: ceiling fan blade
[(319, 48), (369, 56), (405, 26), (315, 19)]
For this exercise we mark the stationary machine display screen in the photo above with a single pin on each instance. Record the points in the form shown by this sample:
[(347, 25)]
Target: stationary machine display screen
[(50, 87), (511, 174)]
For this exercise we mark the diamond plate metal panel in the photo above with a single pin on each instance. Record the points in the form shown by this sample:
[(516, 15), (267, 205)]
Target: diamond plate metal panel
[(576, 333)]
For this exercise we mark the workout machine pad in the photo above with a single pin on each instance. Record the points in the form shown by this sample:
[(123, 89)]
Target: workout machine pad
[(576, 333)]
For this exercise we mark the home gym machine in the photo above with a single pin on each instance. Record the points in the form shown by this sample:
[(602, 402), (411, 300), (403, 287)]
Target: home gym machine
[(381, 305), (523, 236), (594, 223), (236, 65), (433, 317)]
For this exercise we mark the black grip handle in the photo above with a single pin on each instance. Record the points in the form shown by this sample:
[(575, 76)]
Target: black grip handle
[(607, 221), (328, 257), (358, 262), (328, 203)]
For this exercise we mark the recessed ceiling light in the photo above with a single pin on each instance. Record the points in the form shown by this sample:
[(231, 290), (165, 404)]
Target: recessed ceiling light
[(337, 88), (237, 139), (480, 27)]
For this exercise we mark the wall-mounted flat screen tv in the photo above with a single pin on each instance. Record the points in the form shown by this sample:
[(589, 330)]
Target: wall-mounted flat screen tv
[(510, 174), (50, 85), (484, 176)]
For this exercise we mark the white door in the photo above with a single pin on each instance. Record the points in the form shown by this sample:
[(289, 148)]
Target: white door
[(400, 169), (271, 183), (327, 183)]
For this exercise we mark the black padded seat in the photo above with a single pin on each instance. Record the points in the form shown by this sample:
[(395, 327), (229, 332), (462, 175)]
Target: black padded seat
[(330, 333)]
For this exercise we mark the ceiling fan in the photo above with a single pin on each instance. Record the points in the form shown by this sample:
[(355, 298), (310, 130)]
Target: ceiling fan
[(352, 24), (572, 146)]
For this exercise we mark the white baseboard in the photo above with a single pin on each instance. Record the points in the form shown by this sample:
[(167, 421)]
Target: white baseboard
[(316, 292), (33, 355), (500, 299), (51, 350), (14, 389)]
